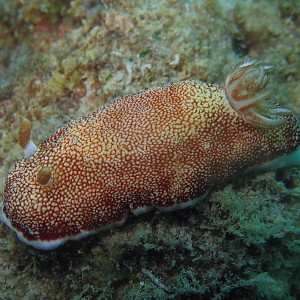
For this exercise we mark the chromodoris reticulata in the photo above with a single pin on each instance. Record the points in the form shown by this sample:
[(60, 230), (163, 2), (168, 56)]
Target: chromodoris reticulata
[(161, 148)]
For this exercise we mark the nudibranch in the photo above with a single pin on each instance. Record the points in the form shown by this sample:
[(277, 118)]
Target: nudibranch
[(162, 148)]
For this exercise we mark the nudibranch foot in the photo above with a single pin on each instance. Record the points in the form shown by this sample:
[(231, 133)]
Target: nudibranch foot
[(55, 243), (284, 161), (184, 205), (246, 91), (163, 148), (174, 207)]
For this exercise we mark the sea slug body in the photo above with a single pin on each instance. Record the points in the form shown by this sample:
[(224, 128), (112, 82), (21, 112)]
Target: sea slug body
[(161, 148)]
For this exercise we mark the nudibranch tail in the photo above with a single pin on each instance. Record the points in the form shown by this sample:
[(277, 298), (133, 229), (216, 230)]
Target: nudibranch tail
[(247, 92), (24, 139)]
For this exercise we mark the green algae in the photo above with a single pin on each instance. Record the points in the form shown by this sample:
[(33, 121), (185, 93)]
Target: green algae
[(60, 60)]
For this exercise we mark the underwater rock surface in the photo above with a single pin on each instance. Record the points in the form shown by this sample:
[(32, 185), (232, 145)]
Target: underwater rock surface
[(61, 59)]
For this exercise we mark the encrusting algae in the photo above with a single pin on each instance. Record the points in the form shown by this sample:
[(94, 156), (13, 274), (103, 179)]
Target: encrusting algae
[(161, 148)]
